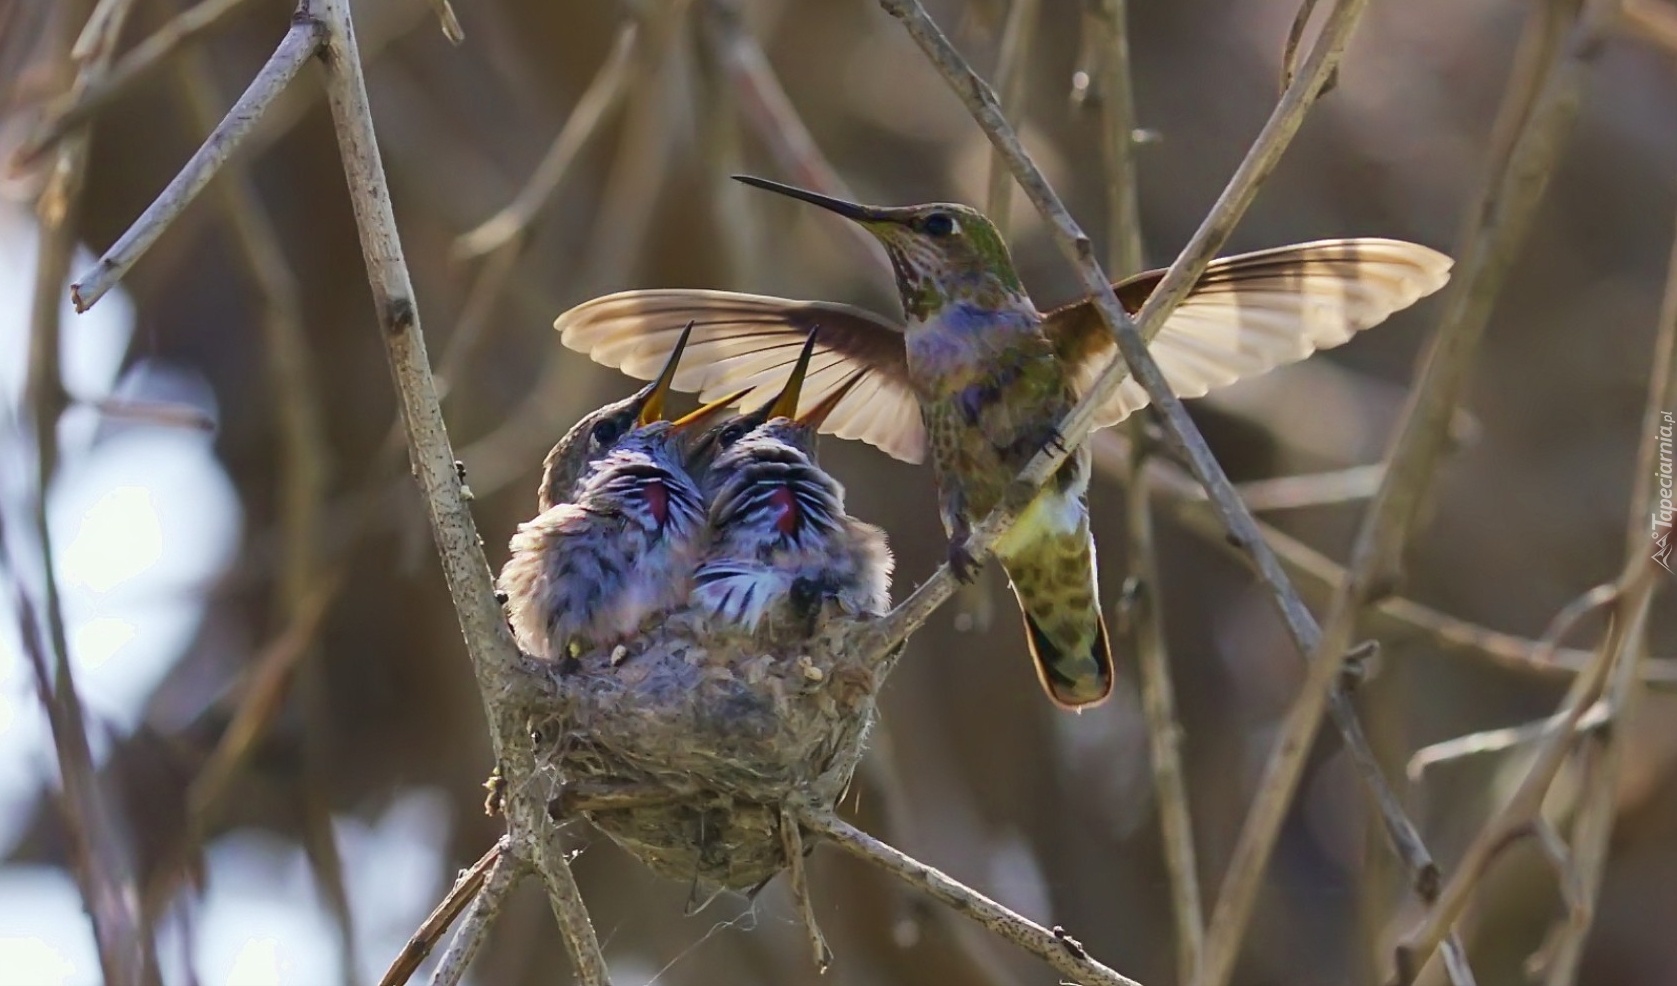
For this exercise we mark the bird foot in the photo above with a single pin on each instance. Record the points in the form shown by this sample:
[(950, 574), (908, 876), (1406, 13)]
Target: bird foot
[(961, 561)]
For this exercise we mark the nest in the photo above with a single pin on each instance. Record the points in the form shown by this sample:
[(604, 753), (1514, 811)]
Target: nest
[(682, 746)]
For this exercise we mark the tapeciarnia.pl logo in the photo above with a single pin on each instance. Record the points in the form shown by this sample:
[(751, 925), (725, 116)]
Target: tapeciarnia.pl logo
[(1663, 505)]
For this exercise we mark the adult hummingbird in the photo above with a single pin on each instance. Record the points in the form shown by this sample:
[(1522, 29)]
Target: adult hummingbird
[(980, 377), (781, 544), (621, 528)]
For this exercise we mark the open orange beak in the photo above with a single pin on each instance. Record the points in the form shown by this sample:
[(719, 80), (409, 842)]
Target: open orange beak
[(657, 393), (702, 417)]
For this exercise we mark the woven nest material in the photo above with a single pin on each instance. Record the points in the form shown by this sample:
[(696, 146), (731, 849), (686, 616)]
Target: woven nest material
[(704, 738)]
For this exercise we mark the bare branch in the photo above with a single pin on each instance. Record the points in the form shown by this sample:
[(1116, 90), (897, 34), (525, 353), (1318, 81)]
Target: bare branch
[(794, 845), (1012, 73), (1132, 337), (1110, 18), (1143, 617), (1055, 947), (1650, 20), (1604, 752), (300, 44), (450, 24), (504, 874), (593, 108), (72, 110), (489, 643), (1393, 616), (1516, 816), (100, 856), (772, 117)]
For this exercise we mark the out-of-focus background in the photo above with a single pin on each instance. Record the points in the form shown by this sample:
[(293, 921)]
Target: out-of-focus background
[(268, 515)]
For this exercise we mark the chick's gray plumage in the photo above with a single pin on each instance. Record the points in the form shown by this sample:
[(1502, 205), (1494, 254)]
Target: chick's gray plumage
[(593, 570), (782, 545)]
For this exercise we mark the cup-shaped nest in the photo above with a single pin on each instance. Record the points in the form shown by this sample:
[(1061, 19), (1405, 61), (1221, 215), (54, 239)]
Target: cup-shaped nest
[(682, 745)]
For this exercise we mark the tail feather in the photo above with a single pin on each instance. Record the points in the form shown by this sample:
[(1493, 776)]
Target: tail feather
[(1074, 679), (1055, 583)]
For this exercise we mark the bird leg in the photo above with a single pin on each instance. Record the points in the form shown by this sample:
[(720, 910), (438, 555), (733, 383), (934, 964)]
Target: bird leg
[(961, 561)]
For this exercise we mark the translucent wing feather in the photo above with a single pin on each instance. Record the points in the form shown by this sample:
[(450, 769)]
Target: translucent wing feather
[(744, 340), (1253, 312)]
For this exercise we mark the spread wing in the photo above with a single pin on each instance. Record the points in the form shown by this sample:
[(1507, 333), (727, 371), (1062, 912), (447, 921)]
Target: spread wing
[(744, 340), (1253, 312)]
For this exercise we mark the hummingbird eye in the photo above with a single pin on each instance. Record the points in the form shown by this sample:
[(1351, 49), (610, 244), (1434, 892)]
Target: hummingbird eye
[(606, 431), (938, 224), (732, 433)]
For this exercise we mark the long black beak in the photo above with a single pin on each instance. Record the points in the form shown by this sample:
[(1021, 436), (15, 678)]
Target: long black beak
[(849, 210)]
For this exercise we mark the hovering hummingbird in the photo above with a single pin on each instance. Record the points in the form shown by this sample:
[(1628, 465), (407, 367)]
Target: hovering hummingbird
[(782, 545), (981, 377), (620, 530)]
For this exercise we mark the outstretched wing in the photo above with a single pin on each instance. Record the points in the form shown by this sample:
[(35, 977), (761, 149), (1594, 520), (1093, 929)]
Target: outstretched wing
[(1253, 312), (745, 340)]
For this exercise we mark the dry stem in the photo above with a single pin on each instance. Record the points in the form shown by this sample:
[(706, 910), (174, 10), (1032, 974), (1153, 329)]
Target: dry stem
[(1012, 73), (593, 108), (100, 861), (1276, 794), (1604, 751), (74, 109), (494, 658), (1144, 613), (1053, 946), (299, 45), (504, 874)]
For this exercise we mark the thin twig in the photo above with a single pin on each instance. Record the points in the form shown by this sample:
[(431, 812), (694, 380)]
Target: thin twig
[(299, 45), (1012, 73), (1055, 947), (793, 844), (1604, 752), (772, 117), (488, 641), (593, 109), (72, 110), (1143, 617), (1508, 206), (267, 684), (430, 931), (450, 24), (1110, 18), (1316, 489), (1316, 574), (1132, 337), (1652, 21), (504, 874), (1513, 818), (1498, 740), (101, 864)]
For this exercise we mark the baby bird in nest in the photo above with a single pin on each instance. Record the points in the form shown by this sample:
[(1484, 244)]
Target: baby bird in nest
[(621, 527), (781, 545)]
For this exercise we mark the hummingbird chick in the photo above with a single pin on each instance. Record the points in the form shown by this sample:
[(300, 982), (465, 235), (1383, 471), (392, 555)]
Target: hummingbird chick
[(782, 546), (978, 378), (619, 532)]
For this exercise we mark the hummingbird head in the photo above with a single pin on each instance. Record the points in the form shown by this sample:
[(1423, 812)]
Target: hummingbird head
[(941, 254), (594, 437), (761, 470)]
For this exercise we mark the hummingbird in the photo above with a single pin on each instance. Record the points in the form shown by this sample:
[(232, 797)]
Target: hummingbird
[(598, 432), (782, 545), (978, 377), (620, 529)]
